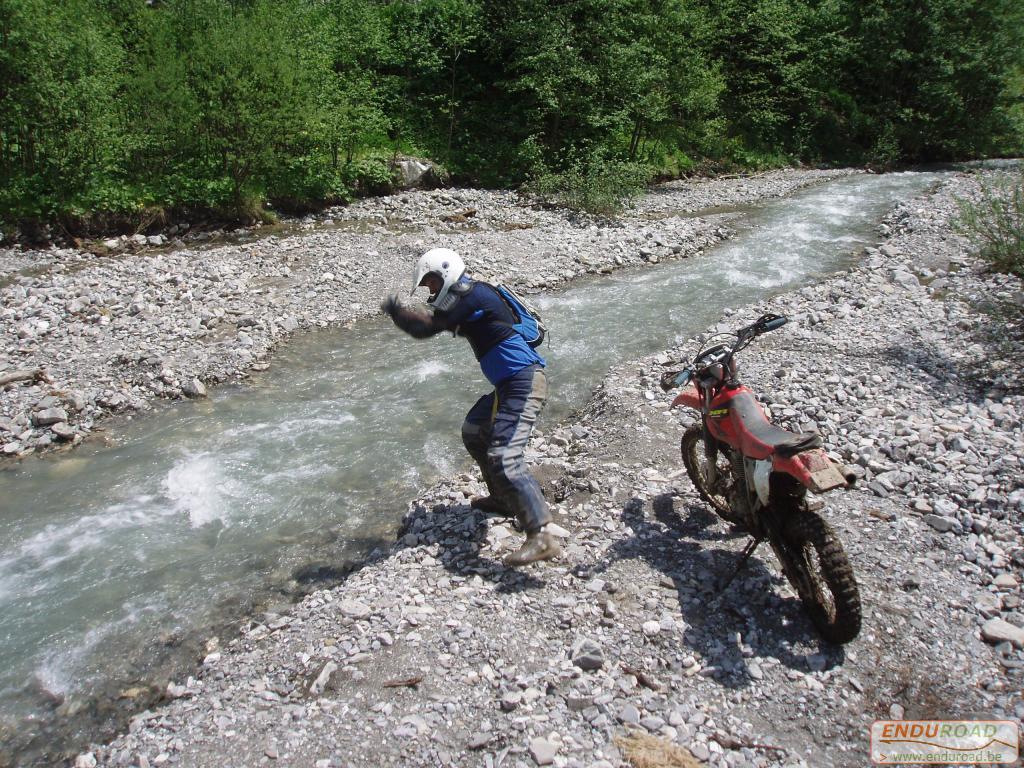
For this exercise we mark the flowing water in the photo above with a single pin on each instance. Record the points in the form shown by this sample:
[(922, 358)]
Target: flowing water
[(203, 509)]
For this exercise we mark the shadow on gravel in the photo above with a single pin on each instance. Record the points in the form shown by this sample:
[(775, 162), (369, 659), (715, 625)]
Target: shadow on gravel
[(992, 364), (680, 544), (460, 534)]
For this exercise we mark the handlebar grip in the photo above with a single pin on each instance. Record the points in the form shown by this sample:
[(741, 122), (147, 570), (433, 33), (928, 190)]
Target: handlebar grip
[(683, 377), (673, 379), (775, 322)]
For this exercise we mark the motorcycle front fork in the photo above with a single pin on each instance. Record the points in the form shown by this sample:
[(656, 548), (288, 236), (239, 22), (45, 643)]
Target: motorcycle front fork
[(711, 454)]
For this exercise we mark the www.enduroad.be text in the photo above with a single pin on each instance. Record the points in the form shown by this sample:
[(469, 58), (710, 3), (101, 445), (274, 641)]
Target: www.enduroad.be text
[(985, 756)]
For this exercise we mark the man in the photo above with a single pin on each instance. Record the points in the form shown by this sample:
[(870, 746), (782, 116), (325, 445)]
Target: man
[(498, 426)]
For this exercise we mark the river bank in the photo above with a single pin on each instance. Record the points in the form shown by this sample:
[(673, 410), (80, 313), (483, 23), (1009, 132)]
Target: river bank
[(86, 336), (433, 653)]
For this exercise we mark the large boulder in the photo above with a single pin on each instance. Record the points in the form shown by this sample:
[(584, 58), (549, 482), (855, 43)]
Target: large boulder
[(417, 173)]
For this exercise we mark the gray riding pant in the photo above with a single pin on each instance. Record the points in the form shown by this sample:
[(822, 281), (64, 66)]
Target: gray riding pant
[(495, 433)]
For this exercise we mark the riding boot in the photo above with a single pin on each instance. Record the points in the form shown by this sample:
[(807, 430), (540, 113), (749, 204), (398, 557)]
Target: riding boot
[(539, 545), (490, 505)]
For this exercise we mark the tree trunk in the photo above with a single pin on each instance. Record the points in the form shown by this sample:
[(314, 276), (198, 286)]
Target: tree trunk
[(634, 140), (451, 107)]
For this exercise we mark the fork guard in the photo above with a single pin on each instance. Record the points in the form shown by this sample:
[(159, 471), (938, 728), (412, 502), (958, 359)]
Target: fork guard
[(689, 396), (815, 470)]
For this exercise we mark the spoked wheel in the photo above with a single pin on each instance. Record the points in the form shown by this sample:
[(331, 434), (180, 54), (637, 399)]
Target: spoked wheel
[(821, 573), (695, 459)]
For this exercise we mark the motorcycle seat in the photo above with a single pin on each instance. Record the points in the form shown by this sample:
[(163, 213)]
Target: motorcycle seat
[(760, 438)]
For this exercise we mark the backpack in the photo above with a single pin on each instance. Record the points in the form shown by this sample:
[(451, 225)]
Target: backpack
[(527, 320)]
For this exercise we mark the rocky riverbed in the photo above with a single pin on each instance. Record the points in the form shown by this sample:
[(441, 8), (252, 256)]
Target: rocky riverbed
[(908, 365), (435, 654), (86, 336)]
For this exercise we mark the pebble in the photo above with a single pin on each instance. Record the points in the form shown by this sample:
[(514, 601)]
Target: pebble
[(587, 655), (940, 523), (543, 751), (997, 630)]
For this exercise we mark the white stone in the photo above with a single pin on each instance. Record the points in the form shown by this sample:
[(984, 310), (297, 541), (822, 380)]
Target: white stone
[(543, 751), (651, 628), (354, 609)]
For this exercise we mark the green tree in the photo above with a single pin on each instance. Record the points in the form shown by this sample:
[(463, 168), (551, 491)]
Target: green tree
[(927, 78), (253, 93), (347, 48), (60, 145)]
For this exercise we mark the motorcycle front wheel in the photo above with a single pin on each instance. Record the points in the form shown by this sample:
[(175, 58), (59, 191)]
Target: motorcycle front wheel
[(816, 565), (695, 459)]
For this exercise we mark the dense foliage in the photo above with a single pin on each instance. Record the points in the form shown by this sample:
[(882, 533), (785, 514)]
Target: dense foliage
[(118, 110)]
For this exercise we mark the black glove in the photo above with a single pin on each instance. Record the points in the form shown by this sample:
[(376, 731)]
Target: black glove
[(390, 305)]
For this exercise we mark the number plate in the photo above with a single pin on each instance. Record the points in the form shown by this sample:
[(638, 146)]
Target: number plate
[(824, 474)]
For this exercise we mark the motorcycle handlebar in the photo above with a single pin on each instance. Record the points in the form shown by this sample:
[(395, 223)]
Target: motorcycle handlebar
[(724, 353)]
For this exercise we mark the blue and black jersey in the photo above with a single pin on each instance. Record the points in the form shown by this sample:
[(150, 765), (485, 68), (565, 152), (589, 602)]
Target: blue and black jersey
[(480, 315), (485, 320)]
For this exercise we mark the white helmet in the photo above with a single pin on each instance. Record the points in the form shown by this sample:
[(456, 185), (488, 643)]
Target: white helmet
[(443, 262)]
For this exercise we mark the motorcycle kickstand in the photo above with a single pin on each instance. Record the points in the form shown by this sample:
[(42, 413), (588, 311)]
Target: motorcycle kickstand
[(753, 545)]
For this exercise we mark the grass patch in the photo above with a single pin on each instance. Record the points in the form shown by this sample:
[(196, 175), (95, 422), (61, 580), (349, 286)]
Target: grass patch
[(602, 186), (994, 222), (642, 750)]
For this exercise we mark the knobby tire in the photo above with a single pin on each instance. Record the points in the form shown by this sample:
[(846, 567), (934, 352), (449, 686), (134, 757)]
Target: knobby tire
[(822, 576), (813, 558), (692, 448)]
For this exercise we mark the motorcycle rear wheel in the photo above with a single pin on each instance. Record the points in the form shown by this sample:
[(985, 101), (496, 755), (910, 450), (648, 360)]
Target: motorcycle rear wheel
[(695, 459), (820, 571)]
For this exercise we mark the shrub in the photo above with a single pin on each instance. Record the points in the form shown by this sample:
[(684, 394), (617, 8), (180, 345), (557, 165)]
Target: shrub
[(601, 187), (994, 222), (369, 175)]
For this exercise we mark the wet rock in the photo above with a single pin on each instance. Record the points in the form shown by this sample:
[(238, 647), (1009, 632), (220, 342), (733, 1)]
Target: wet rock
[(193, 388)]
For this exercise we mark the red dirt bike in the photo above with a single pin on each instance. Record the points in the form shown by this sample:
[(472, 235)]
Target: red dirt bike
[(756, 475)]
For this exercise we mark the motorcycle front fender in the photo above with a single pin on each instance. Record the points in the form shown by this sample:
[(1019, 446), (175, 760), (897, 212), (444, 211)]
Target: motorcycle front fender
[(814, 469), (690, 397)]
